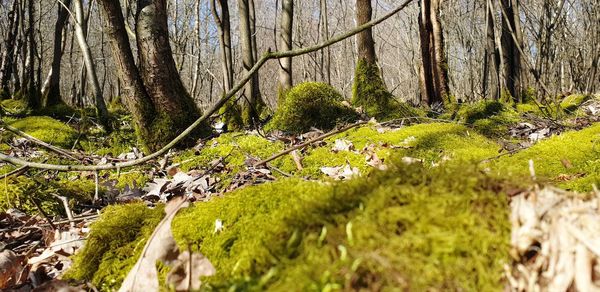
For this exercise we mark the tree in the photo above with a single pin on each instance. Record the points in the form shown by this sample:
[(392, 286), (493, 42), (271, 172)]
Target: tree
[(285, 64), (224, 29), (252, 102), (491, 61), (90, 67), (52, 95), (8, 60), (434, 66), (369, 89), (154, 93), (512, 43)]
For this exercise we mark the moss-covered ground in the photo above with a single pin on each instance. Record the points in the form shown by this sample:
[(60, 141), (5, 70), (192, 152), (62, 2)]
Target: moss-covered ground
[(438, 223)]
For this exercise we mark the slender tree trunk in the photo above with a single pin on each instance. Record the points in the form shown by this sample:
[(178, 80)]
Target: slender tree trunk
[(511, 40), (53, 92), (491, 61), (434, 76), (285, 64), (8, 60), (252, 104), (224, 29), (364, 39), (325, 35), (29, 90), (88, 60)]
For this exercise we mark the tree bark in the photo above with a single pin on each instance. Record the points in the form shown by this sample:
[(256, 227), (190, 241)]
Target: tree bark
[(285, 64), (53, 92)]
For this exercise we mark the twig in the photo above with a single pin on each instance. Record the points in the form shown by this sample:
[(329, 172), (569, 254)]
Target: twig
[(17, 172), (267, 56), (37, 205), (299, 146)]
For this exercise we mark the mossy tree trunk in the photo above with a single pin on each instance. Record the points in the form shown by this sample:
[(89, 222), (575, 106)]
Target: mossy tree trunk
[(153, 93), (434, 68), (52, 96), (369, 89), (285, 64)]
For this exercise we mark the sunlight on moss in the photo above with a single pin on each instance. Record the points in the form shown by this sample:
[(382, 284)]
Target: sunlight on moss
[(311, 104), (48, 130)]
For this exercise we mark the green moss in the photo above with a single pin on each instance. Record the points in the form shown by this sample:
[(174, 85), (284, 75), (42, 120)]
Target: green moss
[(311, 104), (17, 107), (48, 130), (231, 115), (392, 226), (114, 244), (58, 111), (369, 91), (489, 117), (572, 102), (573, 154)]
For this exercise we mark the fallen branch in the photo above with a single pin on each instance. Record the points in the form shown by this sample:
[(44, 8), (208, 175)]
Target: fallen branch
[(267, 56), (317, 139), (37, 141), (17, 172)]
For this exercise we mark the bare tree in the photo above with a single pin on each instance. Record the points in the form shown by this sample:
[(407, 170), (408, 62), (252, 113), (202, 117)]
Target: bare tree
[(224, 29), (434, 72), (252, 101), (52, 95), (491, 61), (512, 43), (285, 70)]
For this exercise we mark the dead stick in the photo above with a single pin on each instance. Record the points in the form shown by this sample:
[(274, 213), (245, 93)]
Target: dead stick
[(299, 146), (17, 172)]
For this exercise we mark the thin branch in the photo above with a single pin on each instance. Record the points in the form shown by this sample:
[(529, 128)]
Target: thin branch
[(267, 56), (37, 141), (317, 139)]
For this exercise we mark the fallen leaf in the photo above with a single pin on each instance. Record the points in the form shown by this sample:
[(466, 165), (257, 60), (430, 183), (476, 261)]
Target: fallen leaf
[(11, 267), (161, 246), (342, 145), (341, 172)]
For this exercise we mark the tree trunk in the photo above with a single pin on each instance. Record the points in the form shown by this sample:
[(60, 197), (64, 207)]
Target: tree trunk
[(153, 93), (511, 40), (491, 61), (53, 92), (326, 52), (8, 60), (92, 77), (364, 39), (434, 76), (224, 29), (252, 104), (285, 64)]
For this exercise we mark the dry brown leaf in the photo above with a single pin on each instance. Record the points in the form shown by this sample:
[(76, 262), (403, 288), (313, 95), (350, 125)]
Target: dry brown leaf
[(161, 246), (11, 267), (297, 159)]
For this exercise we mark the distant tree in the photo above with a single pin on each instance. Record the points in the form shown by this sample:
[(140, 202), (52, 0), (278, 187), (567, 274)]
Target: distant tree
[(491, 61), (52, 93), (285, 64), (252, 101), (512, 43), (154, 94), (224, 29), (434, 66), (369, 90)]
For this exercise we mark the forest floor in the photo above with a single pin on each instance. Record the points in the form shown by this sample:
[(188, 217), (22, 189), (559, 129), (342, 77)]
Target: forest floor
[(483, 198)]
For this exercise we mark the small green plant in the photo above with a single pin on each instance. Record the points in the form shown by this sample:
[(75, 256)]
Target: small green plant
[(311, 104)]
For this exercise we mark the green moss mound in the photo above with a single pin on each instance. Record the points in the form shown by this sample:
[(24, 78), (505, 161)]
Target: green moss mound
[(489, 117), (311, 104), (570, 160), (408, 227), (15, 107), (570, 103), (48, 130), (115, 243), (231, 116), (369, 92)]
